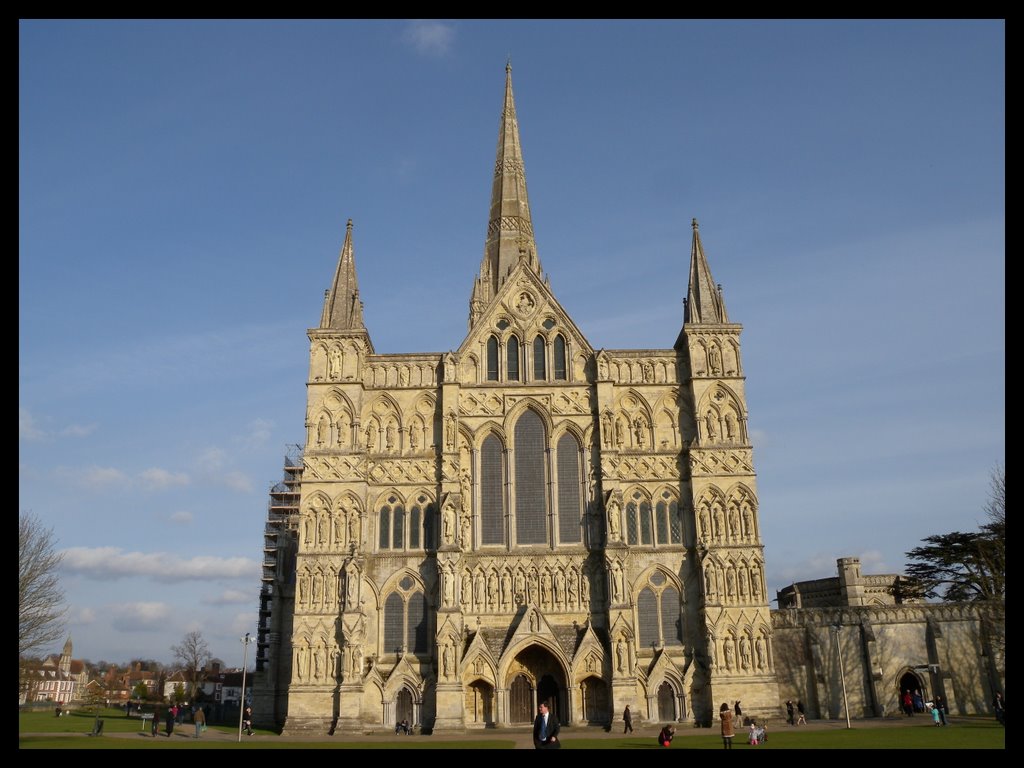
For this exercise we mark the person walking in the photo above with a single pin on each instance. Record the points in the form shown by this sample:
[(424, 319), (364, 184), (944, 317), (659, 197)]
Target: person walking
[(737, 711), (801, 718), (725, 715), (199, 718), (941, 706), (789, 711), (169, 721), (627, 718), (545, 729), (1000, 708)]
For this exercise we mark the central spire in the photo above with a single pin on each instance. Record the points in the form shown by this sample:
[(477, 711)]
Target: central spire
[(509, 228)]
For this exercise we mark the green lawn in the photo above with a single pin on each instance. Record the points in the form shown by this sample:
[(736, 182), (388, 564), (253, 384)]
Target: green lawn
[(70, 732)]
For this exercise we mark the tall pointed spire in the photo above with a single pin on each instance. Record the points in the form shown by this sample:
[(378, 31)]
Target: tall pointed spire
[(704, 303), (343, 310), (509, 227)]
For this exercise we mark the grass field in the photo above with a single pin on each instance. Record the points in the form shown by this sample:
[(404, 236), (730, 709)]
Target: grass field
[(70, 732)]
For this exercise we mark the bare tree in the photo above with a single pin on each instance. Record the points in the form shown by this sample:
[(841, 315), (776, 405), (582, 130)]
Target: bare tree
[(40, 596), (193, 653)]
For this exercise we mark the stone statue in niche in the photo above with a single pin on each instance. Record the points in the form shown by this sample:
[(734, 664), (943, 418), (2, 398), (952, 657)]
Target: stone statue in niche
[(712, 425), (730, 426), (334, 364), (613, 520), (371, 437), (323, 429), (448, 523), (716, 360)]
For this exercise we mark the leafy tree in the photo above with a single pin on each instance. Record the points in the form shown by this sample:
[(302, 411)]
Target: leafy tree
[(193, 653), (40, 596), (964, 566), (140, 691), (179, 693)]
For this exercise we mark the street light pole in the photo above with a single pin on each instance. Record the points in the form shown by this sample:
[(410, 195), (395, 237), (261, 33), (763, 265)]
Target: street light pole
[(842, 674), (241, 701)]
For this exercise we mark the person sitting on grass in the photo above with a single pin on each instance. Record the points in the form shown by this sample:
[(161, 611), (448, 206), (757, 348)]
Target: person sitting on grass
[(667, 734)]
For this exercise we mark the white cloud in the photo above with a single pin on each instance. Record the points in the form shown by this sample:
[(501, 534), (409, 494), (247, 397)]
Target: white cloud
[(258, 434), (237, 481), (134, 617), (212, 458), (110, 563), (81, 616), (182, 517), (156, 479), (78, 430), (27, 429), (431, 38), (93, 478), (229, 597)]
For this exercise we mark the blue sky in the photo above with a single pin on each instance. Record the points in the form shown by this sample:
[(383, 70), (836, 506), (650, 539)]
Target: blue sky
[(183, 192)]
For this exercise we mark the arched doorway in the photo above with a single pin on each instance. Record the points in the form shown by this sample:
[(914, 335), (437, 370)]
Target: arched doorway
[(667, 703), (547, 693), (595, 701), (480, 703), (912, 683), (403, 707), (520, 702), (538, 676)]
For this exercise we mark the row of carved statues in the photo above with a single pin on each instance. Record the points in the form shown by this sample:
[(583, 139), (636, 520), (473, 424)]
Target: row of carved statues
[(744, 651), (734, 523), (489, 591), (733, 583)]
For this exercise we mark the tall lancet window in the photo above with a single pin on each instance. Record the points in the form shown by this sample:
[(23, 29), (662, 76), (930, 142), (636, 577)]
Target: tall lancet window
[(512, 347), (540, 369), (559, 354), (570, 510), (492, 359), (531, 481), (492, 492)]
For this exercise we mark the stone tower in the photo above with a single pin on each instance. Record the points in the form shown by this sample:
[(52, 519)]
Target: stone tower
[(523, 518)]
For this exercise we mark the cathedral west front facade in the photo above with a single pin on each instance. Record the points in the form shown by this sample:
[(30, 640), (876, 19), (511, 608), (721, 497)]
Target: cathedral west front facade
[(526, 518)]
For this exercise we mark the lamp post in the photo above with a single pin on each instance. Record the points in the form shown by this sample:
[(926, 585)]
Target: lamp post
[(241, 701), (842, 673)]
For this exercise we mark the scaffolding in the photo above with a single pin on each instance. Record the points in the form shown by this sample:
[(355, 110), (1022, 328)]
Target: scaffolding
[(278, 534)]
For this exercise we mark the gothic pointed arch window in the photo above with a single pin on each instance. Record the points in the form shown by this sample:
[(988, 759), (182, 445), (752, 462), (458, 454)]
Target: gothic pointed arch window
[(513, 355), (659, 612), (405, 619), (530, 479), (667, 525), (559, 358), (492, 491), (570, 495), (638, 520), (540, 369), (492, 358)]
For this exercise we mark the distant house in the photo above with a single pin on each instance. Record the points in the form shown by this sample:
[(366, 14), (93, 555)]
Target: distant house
[(59, 679)]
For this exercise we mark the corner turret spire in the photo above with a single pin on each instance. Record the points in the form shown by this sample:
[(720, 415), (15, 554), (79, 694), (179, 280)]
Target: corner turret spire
[(704, 303), (343, 311), (509, 227)]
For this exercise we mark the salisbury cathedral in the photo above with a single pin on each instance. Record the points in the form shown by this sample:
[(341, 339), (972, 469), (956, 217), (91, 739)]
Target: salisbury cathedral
[(527, 518)]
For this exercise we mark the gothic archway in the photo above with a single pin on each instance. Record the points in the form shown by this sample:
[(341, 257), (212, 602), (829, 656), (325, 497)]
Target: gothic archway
[(480, 703), (595, 701), (544, 672), (520, 701), (403, 707), (666, 703)]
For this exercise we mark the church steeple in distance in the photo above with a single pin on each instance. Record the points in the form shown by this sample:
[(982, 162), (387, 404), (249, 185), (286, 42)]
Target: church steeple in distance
[(704, 302), (343, 311), (509, 227)]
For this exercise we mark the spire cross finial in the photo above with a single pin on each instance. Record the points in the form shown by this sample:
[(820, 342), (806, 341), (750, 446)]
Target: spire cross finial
[(349, 225), (508, 64), (695, 224)]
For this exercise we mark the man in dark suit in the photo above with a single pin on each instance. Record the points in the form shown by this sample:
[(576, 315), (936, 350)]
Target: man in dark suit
[(545, 729)]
